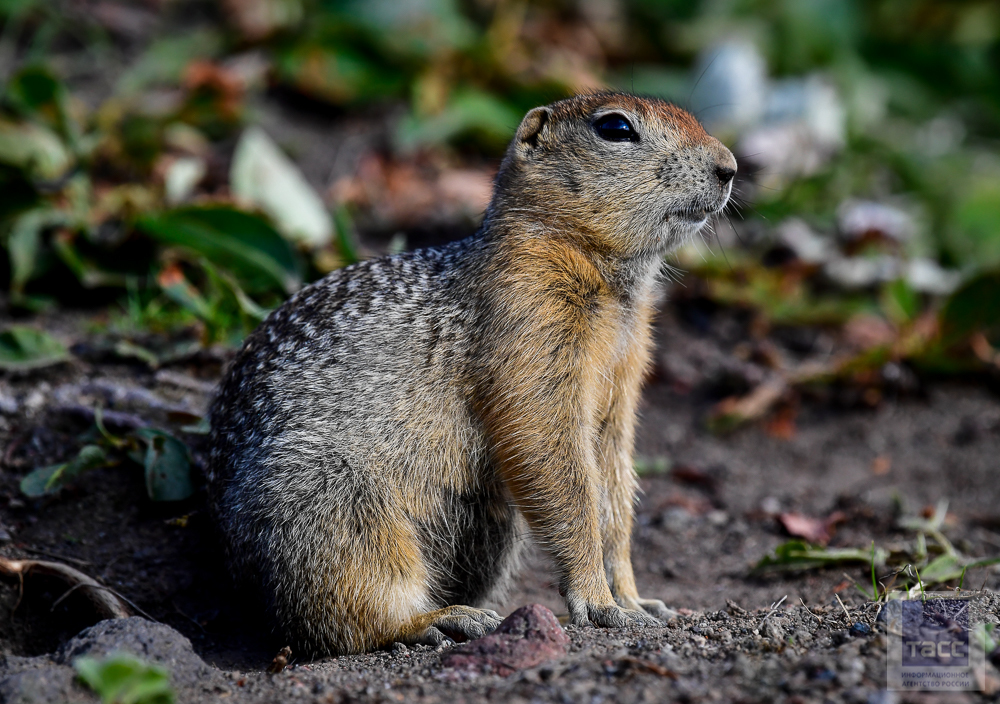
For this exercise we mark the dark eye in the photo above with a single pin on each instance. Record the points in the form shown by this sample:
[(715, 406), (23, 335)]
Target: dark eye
[(615, 128)]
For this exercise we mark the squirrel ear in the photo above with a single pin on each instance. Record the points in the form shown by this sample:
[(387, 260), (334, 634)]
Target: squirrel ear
[(532, 127)]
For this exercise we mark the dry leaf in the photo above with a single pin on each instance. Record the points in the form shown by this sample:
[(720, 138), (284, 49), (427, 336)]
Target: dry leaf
[(881, 465), (817, 531)]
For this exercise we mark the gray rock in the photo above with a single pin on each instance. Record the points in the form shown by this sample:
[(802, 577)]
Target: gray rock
[(8, 404), (40, 683), (773, 630), (147, 640), (528, 637), (51, 678)]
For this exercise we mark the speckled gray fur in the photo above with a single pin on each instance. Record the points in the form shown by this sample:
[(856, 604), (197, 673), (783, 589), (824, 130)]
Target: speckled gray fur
[(306, 431)]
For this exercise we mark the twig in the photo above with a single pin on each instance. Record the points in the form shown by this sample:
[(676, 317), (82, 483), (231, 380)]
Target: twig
[(8, 455), (20, 594), (115, 419), (735, 608), (734, 411), (647, 666), (56, 556), (178, 610), (774, 607), (100, 586), (846, 612), (280, 661), (810, 612), (107, 602)]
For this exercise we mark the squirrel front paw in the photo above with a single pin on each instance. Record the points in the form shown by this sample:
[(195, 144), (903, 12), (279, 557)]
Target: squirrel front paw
[(609, 616), (657, 609), (654, 607)]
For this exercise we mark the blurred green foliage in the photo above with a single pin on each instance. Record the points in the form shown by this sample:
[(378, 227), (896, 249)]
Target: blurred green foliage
[(123, 198), (121, 678), (165, 460)]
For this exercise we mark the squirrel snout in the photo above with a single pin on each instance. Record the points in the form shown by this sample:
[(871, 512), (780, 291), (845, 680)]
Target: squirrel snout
[(725, 163), (725, 174)]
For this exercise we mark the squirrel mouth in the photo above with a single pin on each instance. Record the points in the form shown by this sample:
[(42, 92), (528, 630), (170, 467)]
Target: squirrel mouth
[(689, 216)]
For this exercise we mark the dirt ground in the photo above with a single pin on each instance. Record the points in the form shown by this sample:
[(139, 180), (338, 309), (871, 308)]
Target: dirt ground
[(707, 514)]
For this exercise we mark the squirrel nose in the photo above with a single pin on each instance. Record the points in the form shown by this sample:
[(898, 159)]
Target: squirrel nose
[(724, 173)]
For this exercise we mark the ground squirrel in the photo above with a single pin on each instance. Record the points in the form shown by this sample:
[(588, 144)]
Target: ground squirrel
[(385, 439)]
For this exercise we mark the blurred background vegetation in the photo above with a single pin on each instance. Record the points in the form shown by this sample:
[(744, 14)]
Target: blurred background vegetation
[(184, 165)]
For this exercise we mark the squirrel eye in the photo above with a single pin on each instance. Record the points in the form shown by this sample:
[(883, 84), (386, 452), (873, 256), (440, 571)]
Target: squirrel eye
[(615, 128)]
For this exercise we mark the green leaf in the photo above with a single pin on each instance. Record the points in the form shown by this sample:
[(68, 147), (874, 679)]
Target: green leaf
[(49, 480), (125, 679), (165, 59), (24, 243), (87, 272), (336, 74), (978, 216), (167, 462), (649, 466), (179, 289), (130, 350), (941, 569), (246, 304), (34, 149), (37, 92), (948, 567), (931, 524), (35, 88), (344, 225), (33, 484), (900, 302), (23, 246), (201, 427), (236, 241), (797, 555), (23, 348), (418, 30), (985, 562), (975, 306), (262, 174), (469, 112)]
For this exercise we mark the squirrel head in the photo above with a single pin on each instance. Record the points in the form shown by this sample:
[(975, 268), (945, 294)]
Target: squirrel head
[(633, 175)]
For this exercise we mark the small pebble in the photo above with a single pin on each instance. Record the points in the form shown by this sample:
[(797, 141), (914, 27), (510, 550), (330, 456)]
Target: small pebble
[(8, 404), (861, 629)]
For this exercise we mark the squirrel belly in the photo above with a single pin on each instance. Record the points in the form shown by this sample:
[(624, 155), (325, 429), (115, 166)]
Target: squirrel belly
[(386, 439)]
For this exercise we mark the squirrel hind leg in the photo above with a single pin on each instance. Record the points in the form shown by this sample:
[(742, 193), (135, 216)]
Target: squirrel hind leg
[(458, 623)]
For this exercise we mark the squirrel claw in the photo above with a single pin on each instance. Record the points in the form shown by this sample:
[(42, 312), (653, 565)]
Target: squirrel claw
[(431, 636), (457, 623), (614, 617), (657, 609), (641, 618)]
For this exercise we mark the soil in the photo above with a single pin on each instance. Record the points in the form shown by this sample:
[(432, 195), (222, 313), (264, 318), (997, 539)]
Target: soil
[(707, 514)]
